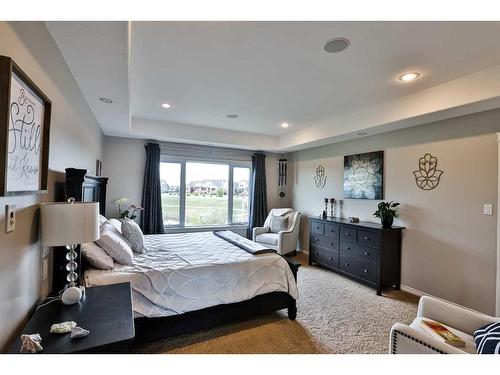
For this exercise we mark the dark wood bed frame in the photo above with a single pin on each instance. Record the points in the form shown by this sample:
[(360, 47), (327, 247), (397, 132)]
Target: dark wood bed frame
[(87, 188)]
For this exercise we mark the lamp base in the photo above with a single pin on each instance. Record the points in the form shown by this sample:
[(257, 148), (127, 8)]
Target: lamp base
[(71, 295)]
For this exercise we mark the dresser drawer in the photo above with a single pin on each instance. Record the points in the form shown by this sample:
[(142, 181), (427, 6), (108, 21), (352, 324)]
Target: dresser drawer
[(365, 253), (329, 242), (324, 256), (317, 227), (360, 268), (348, 234), (369, 238), (332, 230)]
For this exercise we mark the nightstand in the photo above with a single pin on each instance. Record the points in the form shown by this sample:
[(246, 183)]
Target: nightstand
[(106, 311)]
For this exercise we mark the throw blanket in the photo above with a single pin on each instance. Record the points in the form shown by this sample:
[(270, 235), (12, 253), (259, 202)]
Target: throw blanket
[(243, 243)]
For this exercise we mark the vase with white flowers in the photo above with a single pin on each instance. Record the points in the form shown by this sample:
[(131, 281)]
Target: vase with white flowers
[(130, 212)]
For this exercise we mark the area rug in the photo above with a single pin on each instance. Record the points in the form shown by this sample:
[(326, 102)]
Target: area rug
[(335, 315)]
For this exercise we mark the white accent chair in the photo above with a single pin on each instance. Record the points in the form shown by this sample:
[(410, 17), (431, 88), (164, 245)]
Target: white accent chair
[(285, 241), (415, 339)]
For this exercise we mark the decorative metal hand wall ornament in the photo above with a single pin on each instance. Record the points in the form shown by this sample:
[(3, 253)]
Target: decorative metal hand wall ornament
[(320, 177), (428, 176)]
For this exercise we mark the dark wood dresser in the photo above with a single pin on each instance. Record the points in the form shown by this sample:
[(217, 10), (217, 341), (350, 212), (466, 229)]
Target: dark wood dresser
[(363, 251)]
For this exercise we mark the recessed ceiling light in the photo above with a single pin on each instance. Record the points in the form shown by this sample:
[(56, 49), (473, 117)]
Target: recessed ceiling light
[(336, 45), (165, 105), (284, 125), (232, 115), (409, 76), (106, 100)]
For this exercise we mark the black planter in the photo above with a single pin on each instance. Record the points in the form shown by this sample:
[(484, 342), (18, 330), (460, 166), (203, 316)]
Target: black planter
[(387, 221)]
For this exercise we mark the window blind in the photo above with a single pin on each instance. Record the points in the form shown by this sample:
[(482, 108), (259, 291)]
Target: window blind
[(201, 152)]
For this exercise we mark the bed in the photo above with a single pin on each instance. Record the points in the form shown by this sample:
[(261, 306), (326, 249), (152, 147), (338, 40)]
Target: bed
[(192, 281)]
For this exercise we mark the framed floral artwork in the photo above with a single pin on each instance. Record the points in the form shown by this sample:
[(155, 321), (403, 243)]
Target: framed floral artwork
[(24, 132), (364, 176)]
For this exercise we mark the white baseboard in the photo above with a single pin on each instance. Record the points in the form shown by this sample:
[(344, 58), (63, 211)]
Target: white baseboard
[(419, 293), (303, 251), (414, 291)]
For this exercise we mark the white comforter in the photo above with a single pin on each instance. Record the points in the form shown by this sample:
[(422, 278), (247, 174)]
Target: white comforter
[(187, 272)]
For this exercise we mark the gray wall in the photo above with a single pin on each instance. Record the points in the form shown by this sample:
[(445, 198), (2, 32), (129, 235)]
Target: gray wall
[(76, 141), (123, 163), (449, 246)]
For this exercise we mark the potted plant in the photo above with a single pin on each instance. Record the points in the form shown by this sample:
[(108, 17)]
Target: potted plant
[(386, 211)]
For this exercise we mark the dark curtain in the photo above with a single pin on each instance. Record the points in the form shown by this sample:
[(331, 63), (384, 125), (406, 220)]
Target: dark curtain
[(152, 218), (258, 203)]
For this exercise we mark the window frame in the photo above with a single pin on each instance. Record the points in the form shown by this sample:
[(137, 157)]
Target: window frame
[(182, 198)]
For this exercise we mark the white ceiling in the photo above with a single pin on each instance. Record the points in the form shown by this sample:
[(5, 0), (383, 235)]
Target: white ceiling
[(270, 72)]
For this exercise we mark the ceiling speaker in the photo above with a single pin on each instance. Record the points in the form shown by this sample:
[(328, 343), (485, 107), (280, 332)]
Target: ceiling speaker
[(337, 45)]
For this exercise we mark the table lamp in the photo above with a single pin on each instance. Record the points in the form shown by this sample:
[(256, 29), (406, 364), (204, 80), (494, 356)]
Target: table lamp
[(70, 224)]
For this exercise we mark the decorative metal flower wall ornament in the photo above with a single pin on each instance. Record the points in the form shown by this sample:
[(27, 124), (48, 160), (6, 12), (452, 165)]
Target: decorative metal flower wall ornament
[(428, 176), (320, 177)]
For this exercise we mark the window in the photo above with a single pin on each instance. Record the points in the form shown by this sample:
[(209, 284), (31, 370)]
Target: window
[(241, 198), (170, 180), (206, 194), (196, 193)]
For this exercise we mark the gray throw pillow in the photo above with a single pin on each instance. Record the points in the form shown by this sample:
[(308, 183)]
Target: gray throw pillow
[(115, 245), (133, 234), (278, 224), (96, 256)]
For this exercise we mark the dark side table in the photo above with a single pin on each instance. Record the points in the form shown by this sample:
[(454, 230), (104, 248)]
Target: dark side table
[(106, 311)]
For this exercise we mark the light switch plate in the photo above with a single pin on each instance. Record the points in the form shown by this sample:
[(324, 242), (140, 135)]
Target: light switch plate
[(488, 209), (10, 217), (45, 269)]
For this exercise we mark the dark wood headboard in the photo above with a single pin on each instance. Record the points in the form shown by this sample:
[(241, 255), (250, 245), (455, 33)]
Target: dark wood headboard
[(84, 188)]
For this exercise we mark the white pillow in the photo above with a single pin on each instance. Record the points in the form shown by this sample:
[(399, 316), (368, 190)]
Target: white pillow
[(102, 220), (115, 244), (97, 256), (117, 224), (133, 234)]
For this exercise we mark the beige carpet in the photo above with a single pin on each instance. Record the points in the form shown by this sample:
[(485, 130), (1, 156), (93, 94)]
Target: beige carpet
[(335, 315)]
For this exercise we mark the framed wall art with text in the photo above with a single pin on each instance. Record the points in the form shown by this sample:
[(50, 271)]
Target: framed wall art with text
[(24, 132)]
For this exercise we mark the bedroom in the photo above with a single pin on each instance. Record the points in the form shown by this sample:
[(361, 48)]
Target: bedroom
[(229, 181)]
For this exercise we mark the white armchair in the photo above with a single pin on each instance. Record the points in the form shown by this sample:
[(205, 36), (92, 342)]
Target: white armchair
[(285, 241), (415, 339)]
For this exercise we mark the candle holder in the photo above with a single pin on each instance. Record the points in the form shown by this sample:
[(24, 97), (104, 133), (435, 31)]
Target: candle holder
[(332, 208), (326, 209)]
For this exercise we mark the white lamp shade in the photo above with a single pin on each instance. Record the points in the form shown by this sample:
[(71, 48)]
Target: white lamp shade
[(69, 223)]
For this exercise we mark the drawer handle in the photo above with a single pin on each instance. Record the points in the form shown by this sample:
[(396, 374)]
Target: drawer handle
[(365, 271), (316, 239), (332, 243), (315, 253), (348, 234), (367, 239), (346, 264), (347, 248), (366, 253), (331, 230), (317, 227), (330, 258)]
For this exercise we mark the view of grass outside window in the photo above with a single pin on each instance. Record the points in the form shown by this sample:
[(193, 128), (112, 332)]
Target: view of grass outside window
[(241, 199), (206, 192), (170, 179)]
